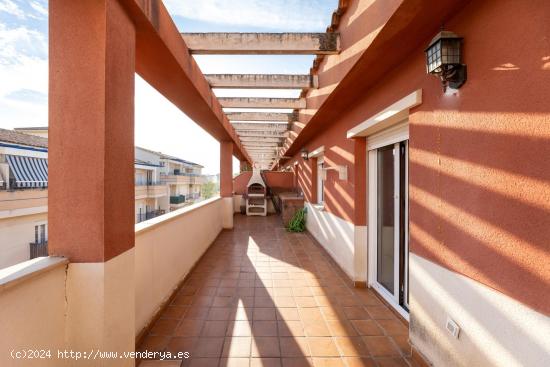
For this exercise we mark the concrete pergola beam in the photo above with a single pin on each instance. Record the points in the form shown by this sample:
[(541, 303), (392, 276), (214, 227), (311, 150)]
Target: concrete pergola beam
[(249, 102), (260, 134), (259, 126), (262, 81), (262, 43), (260, 116), (260, 140)]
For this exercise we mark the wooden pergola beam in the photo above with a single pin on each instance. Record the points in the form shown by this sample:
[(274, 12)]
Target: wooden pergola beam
[(262, 81), (262, 43)]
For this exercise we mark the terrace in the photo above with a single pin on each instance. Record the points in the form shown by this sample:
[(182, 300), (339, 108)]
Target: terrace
[(261, 296), (383, 157)]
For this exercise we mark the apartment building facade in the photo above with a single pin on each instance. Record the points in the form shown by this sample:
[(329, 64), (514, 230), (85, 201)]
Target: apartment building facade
[(23, 197), (184, 179)]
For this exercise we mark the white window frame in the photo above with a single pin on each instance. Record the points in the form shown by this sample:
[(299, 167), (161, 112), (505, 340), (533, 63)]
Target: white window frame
[(320, 183), (393, 135)]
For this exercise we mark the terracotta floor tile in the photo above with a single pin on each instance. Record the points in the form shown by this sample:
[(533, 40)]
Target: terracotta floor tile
[(208, 348), (182, 344), (391, 362), (152, 363), (224, 301), (234, 362), (316, 328), (359, 362), (332, 313), (197, 312), (285, 301), (393, 327), (237, 347), (264, 328), (183, 300), (297, 362), (266, 347), (328, 362), (322, 347), (310, 314), (367, 327), (219, 313), (264, 314), (290, 328), (381, 346), (263, 302), (356, 313), (403, 344), (294, 347), (282, 292), (380, 312), (287, 314), (341, 328), (242, 314), (189, 327), (239, 328), (214, 328), (351, 346), (265, 362), (154, 343), (164, 327), (174, 312), (203, 362), (305, 301)]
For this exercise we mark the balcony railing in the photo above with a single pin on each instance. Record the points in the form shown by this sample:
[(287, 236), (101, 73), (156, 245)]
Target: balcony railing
[(38, 249), (148, 183), (180, 199), (149, 215)]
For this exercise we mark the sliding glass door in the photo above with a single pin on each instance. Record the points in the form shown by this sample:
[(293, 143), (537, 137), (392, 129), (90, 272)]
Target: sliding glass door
[(388, 217)]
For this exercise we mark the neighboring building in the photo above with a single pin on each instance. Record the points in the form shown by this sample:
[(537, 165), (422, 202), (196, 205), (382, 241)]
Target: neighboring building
[(23, 197), (24, 190), (151, 194), (184, 179)]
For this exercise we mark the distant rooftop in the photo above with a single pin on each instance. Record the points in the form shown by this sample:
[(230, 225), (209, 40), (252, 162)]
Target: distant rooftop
[(14, 137), (166, 156), (44, 128)]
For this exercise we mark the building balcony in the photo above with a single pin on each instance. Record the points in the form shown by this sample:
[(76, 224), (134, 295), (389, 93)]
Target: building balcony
[(140, 217), (38, 249), (153, 190)]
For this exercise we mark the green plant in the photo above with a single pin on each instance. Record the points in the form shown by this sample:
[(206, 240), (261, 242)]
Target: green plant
[(298, 221)]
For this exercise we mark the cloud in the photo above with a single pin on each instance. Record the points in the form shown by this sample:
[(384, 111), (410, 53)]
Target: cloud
[(39, 8), (288, 15), (11, 8)]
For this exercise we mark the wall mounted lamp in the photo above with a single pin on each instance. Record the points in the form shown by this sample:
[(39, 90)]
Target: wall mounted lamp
[(305, 154), (443, 59)]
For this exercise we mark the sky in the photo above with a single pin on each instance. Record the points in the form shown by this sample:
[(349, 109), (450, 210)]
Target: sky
[(159, 125)]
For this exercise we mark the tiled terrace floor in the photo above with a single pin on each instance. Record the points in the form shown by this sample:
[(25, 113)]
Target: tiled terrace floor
[(264, 297)]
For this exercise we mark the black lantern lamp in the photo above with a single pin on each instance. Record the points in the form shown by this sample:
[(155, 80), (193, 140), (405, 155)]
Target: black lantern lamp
[(443, 59), (305, 154)]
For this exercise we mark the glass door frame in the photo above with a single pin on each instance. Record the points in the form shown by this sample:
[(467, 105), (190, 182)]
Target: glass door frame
[(392, 136)]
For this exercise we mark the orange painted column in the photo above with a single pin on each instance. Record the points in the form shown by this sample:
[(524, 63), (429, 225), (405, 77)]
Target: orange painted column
[(91, 130), (226, 183), (360, 181), (226, 168), (91, 171)]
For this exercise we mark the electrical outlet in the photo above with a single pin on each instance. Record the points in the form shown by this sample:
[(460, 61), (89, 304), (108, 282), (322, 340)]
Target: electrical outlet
[(453, 328)]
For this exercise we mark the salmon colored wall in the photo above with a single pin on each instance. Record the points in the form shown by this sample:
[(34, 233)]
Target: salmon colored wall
[(479, 178)]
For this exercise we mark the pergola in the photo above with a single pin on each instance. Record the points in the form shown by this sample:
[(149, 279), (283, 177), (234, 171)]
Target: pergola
[(262, 134)]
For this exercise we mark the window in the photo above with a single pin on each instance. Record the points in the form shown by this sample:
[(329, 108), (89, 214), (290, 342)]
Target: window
[(40, 233), (320, 182)]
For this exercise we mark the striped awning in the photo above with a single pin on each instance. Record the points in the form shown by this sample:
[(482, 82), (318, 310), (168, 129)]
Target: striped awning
[(29, 171)]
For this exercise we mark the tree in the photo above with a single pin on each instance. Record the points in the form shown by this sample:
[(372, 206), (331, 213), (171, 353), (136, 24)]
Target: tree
[(210, 189)]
